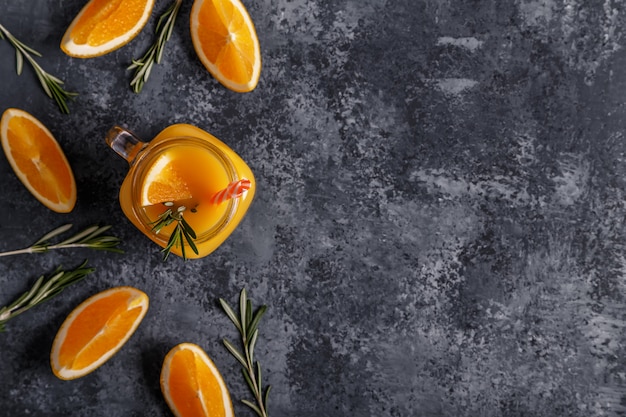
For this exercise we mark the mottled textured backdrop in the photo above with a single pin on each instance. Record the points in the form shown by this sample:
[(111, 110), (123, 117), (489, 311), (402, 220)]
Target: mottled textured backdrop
[(438, 229)]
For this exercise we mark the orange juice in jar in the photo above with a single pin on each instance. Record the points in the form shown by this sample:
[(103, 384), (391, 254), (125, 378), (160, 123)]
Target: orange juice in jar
[(185, 189)]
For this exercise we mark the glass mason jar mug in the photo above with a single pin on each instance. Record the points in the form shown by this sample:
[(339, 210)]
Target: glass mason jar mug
[(189, 172)]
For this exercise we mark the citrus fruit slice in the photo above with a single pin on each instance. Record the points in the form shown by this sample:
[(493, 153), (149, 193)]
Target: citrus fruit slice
[(192, 385), (95, 330), (163, 182), (38, 160), (103, 26), (226, 42)]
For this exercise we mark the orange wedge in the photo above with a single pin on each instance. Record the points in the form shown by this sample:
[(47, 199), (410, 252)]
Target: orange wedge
[(103, 26), (163, 182), (192, 385), (38, 160), (95, 330), (226, 42)]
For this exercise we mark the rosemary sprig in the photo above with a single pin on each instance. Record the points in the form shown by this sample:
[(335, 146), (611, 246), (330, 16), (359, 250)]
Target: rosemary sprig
[(143, 66), (182, 231), (91, 238), (51, 84), (247, 324), (43, 290)]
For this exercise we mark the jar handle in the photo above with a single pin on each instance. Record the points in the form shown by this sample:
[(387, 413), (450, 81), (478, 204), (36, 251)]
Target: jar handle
[(125, 143)]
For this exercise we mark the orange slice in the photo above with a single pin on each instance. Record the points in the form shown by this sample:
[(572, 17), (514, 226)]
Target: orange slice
[(95, 330), (192, 385), (38, 160), (226, 42), (163, 182), (103, 26)]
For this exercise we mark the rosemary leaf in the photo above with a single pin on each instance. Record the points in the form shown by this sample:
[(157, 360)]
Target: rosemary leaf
[(258, 375), (187, 228), (29, 294), (19, 62), (251, 370), (84, 234), (189, 238), (50, 84), (231, 314), (247, 377), (253, 406), (251, 343), (182, 233), (242, 314), (266, 396), (42, 290), (89, 238), (257, 317), (53, 233), (179, 231), (233, 350), (249, 316), (143, 66)]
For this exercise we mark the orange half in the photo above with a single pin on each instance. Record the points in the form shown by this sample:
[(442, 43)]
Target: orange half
[(192, 385), (226, 42), (103, 26), (95, 330), (38, 160)]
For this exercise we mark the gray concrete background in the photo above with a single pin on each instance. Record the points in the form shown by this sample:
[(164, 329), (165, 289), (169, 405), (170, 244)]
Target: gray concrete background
[(438, 229)]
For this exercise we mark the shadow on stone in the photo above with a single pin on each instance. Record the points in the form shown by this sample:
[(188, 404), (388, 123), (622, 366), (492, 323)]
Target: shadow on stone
[(152, 360)]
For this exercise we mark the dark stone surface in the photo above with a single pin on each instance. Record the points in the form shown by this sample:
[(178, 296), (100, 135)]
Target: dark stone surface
[(438, 229)]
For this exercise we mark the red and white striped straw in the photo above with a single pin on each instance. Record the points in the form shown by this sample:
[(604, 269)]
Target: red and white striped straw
[(233, 190)]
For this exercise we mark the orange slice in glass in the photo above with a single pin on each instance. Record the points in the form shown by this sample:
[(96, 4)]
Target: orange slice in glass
[(226, 42), (103, 26), (164, 183), (192, 384), (38, 160), (95, 330)]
